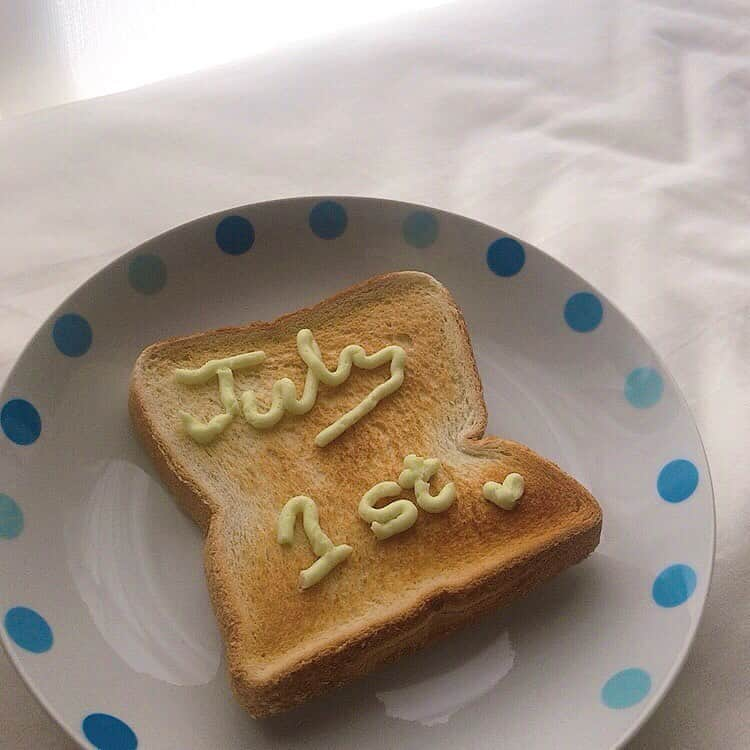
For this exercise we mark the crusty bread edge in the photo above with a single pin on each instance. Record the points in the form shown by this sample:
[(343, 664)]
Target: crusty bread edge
[(430, 619), (293, 679)]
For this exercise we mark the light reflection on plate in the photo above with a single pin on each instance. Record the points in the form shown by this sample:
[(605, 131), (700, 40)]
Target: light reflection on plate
[(441, 687), (125, 574)]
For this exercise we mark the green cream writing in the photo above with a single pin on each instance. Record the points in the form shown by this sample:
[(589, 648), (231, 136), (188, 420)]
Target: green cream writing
[(401, 515), (284, 393), (504, 494), (328, 554)]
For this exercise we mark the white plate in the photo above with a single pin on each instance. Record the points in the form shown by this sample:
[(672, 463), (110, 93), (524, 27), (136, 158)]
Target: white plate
[(102, 597)]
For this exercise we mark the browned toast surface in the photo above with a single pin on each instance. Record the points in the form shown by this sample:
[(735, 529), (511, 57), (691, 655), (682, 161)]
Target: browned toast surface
[(390, 596)]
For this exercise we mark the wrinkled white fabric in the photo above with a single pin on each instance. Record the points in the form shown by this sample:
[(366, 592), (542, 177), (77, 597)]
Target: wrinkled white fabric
[(614, 135)]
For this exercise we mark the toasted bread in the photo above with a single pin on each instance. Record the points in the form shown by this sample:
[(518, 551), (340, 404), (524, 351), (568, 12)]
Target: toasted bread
[(391, 596)]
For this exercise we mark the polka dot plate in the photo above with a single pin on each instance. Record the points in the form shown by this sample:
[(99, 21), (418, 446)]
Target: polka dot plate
[(103, 605)]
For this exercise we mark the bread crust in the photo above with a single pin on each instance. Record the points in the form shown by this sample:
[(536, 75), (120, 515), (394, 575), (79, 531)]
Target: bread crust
[(474, 587)]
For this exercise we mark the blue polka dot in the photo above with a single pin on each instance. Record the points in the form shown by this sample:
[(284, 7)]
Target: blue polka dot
[(21, 421), (11, 518), (626, 688), (583, 312), (677, 480), (643, 387), (28, 629), (72, 335), (674, 585), (235, 235), (328, 220), (506, 256), (147, 274), (107, 732), (420, 229)]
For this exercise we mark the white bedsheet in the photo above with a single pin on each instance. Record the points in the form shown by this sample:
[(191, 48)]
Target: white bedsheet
[(615, 135)]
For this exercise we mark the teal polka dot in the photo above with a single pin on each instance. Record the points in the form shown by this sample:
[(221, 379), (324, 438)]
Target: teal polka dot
[(674, 585), (626, 688), (506, 257), (328, 220), (420, 229), (72, 335), (28, 629), (107, 732), (583, 312), (235, 235), (11, 518), (643, 387), (20, 421), (147, 273), (677, 480)]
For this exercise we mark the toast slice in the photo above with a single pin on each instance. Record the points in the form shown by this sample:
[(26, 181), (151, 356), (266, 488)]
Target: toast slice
[(389, 597)]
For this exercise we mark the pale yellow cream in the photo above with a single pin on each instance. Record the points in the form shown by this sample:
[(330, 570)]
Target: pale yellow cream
[(205, 432), (504, 495), (394, 518), (329, 555), (204, 373), (284, 392), (417, 474)]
